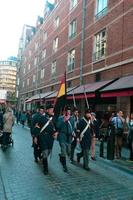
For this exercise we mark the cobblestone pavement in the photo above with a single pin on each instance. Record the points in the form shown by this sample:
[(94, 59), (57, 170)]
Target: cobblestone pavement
[(22, 179)]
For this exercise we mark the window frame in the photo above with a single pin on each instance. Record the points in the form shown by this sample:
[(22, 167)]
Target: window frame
[(103, 11), (73, 6), (100, 46), (56, 25), (42, 74), (70, 64), (71, 33), (55, 44), (53, 75)]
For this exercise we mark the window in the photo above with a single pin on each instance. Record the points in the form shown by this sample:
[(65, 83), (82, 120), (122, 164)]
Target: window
[(42, 73), (55, 44), (73, 4), (36, 46), (23, 84), (56, 22), (29, 53), (18, 81), (53, 69), (44, 53), (35, 61), (98, 77), (71, 60), (24, 70), (45, 36), (100, 45), (101, 8), (28, 81), (29, 67), (34, 78), (72, 29)]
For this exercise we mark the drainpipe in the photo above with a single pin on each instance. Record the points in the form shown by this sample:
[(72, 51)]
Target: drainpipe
[(82, 40)]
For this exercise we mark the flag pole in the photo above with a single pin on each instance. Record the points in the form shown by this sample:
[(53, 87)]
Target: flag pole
[(74, 102), (86, 98)]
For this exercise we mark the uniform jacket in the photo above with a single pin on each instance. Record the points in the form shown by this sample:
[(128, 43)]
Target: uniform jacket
[(46, 137), (86, 140), (65, 129)]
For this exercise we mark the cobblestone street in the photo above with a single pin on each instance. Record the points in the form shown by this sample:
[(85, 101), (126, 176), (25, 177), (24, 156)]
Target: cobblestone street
[(22, 179)]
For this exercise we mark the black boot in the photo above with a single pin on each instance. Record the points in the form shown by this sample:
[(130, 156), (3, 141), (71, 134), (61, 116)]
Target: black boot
[(45, 166), (63, 162)]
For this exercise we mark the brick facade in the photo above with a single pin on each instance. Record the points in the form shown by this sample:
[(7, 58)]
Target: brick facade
[(117, 61)]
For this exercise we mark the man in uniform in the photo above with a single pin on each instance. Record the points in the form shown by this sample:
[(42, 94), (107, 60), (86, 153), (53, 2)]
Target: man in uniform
[(85, 132), (65, 127), (36, 119), (47, 135), (74, 137)]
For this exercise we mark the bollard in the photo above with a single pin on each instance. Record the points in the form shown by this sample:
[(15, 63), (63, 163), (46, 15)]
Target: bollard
[(102, 147), (111, 144)]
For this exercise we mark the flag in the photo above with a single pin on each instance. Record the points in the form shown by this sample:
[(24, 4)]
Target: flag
[(60, 100)]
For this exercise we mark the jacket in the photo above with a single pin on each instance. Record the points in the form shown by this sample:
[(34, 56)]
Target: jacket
[(8, 121)]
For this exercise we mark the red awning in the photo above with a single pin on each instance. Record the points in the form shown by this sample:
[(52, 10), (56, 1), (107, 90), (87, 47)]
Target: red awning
[(121, 87), (88, 89), (117, 93), (37, 97)]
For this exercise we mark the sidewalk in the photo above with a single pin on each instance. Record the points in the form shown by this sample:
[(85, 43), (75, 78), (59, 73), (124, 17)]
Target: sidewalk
[(2, 189), (123, 164)]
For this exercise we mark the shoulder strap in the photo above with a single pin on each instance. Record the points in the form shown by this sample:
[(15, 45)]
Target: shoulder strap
[(85, 129), (47, 123)]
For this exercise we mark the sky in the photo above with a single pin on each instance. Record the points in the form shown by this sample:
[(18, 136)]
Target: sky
[(13, 15)]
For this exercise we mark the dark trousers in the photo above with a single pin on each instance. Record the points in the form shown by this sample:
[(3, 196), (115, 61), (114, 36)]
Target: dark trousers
[(37, 151), (73, 146), (85, 154), (6, 136), (131, 150)]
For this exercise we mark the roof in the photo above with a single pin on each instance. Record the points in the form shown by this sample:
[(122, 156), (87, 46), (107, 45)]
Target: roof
[(121, 84)]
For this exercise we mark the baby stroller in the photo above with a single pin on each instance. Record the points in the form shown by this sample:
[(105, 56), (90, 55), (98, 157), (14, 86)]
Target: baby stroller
[(10, 141)]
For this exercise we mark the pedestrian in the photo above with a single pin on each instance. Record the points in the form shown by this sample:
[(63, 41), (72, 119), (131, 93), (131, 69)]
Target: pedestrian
[(35, 129), (129, 122), (18, 115), (95, 134), (85, 132), (47, 135), (23, 118), (29, 118), (8, 122), (118, 122), (1, 120), (65, 127), (74, 136)]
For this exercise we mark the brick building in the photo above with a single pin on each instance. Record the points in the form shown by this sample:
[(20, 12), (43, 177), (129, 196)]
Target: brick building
[(93, 41)]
